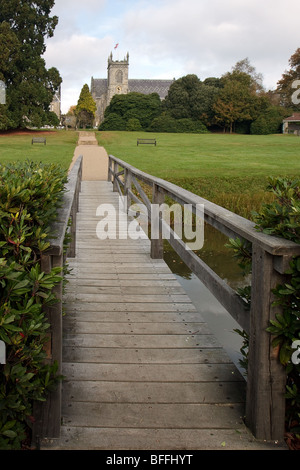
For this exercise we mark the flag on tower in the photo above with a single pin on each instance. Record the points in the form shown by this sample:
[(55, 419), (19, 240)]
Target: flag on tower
[(116, 46)]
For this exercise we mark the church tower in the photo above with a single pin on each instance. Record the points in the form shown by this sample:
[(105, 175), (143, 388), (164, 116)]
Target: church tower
[(117, 77)]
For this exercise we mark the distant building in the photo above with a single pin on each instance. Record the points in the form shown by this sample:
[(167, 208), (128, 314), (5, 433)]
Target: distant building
[(118, 82), (291, 125)]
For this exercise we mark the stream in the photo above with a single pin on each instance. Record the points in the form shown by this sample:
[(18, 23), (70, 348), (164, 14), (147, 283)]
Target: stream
[(220, 259)]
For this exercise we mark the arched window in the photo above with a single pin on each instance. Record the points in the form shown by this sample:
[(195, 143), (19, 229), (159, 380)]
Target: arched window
[(119, 76)]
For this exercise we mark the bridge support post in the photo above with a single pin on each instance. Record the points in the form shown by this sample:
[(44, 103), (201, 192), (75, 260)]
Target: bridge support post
[(127, 186), (48, 414), (265, 403), (157, 247), (115, 181)]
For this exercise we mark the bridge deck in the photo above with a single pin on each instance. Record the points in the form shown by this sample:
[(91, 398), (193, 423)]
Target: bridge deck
[(142, 369)]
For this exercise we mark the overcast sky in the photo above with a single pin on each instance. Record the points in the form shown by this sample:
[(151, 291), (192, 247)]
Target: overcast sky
[(171, 38)]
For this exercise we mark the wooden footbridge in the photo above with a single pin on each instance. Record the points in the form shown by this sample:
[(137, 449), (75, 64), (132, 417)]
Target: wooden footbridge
[(142, 369)]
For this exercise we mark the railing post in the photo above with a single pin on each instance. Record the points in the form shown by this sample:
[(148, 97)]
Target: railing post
[(157, 246), (116, 169), (265, 402), (109, 177), (127, 186), (48, 414)]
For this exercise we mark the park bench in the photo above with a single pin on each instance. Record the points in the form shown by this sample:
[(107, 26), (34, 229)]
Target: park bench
[(38, 140), (146, 141)]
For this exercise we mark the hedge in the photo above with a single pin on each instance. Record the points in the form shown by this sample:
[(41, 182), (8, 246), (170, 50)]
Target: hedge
[(30, 195)]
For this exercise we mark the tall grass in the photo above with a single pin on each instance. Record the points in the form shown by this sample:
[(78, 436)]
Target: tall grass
[(229, 170)]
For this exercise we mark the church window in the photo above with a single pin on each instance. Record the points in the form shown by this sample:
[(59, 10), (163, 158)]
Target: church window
[(119, 76)]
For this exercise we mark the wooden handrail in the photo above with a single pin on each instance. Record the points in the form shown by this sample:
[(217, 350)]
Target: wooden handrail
[(48, 414), (266, 377)]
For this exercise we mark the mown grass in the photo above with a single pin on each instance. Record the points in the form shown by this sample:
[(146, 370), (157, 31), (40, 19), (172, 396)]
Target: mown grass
[(59, 148), (230, 170)]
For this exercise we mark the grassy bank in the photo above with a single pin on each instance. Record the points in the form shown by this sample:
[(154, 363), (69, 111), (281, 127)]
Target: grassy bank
[(230, 170), (16, 146)]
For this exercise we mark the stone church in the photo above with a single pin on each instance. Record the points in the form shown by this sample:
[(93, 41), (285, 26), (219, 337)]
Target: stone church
[(117, 82)]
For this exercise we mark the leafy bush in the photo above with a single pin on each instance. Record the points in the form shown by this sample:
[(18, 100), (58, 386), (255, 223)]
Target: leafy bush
[(113, 122), (269, 122), (281, 218), (166, 123), (133, 124), (30, 196)]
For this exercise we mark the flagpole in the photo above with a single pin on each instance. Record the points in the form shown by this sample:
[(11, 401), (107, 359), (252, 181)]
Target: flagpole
[(116, 47)]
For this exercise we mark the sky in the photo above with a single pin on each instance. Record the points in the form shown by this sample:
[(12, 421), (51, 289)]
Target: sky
[(171, 38)]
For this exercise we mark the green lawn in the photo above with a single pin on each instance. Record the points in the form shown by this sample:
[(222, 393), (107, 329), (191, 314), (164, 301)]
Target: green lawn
[(59, 149), (231, 170)]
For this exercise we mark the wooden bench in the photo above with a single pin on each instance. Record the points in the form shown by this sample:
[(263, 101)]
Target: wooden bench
[(38, 140), (146, 141)]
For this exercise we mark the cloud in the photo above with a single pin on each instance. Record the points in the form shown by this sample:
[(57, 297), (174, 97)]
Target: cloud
[(171, 38), (77, 58), (213, 35)]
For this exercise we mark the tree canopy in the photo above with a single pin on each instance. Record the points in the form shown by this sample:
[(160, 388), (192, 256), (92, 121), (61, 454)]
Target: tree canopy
[(133, 106), (285, 86), (30, 86), (86, 108), (235, 102)]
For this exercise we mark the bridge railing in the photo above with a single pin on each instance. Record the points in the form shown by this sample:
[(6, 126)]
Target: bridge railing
[(266, 377), (48, 414)]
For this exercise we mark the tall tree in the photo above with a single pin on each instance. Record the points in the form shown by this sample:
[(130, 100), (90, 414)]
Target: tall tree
[(30, 86), (287, 83), (244, 66), (86, 108), (183, 98), (237, 100), (137, 106)]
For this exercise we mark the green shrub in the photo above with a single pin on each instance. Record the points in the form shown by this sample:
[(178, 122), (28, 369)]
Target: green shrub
[(113, 122), (133, 124), (281, 218), (163, 123), (270, 122), (30, 196)]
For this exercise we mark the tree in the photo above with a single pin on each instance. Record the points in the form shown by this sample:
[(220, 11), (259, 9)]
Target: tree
[(86, 108), (29, 85), (237, 100), (183, 98), (285, 86), (269, 122), (189, 98), (244, 66), (138, 106)]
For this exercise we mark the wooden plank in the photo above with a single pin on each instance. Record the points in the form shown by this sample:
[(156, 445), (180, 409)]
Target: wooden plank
[(141, 341), (149, 328), (152, 372), (156, 416), (154, 392), (118, 439), (184, 355), (110, 316)]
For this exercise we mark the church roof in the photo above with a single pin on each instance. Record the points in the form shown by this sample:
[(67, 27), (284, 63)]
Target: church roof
[(145, 86), (99, 86)]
